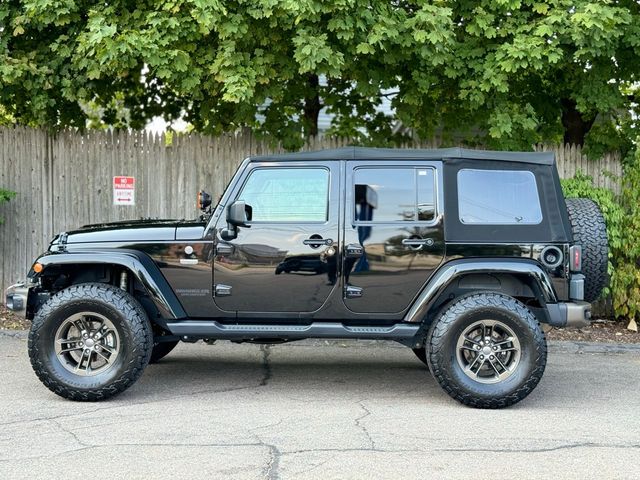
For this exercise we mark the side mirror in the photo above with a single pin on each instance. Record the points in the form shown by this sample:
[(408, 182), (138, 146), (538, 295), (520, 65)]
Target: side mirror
[(238, 214)]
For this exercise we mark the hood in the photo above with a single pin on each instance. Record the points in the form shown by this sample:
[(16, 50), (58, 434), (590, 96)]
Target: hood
[(127, 231)]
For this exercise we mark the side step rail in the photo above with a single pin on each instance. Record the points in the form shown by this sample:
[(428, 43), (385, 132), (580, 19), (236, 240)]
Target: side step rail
[(211, 329)]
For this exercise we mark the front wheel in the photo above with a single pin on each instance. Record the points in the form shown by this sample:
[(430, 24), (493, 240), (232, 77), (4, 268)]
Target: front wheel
[(90, 342), (487, 350)]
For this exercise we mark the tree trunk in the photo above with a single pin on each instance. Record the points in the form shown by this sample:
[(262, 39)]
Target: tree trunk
[(312, 106), (576, 125)]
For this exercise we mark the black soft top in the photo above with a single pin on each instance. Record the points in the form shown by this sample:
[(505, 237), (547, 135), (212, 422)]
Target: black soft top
[(554, 227), (360, 153)]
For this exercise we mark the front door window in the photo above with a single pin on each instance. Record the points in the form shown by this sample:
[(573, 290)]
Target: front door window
[(287, 194)]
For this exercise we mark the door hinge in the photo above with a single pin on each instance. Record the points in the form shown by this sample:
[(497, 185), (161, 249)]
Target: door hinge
[(224, 249), (220, 290), (353, 292), (353, 250)]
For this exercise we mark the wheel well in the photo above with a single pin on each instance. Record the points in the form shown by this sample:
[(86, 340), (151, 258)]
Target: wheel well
[(522, 287), (58, 277)]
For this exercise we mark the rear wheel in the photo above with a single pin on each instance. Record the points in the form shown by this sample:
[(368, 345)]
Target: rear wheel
[(487, 350), (90, 342)]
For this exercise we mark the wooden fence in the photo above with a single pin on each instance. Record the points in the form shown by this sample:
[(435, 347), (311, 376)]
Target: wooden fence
[(65, 180)]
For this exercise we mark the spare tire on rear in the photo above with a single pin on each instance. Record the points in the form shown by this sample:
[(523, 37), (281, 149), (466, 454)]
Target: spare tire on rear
[(589, 230)]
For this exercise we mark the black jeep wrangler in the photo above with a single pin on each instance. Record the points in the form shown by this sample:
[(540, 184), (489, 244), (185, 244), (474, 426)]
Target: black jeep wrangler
[(461, 255)]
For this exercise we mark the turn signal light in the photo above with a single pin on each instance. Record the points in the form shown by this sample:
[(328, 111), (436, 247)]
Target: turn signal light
[(37, 267)]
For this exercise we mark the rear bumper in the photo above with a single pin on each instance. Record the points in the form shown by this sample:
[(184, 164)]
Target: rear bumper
[(16, 298), (569, 314)]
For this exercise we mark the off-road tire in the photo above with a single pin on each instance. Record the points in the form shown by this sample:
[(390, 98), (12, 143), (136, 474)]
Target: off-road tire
[(451, 323), (161, 350), (128, 317), (590, 231)]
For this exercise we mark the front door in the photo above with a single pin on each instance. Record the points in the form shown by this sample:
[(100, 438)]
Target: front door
[(284, 260), (393, 215)]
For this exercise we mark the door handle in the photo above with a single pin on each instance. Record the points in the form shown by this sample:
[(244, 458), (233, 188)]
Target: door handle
[(418, 242), (318, 242)]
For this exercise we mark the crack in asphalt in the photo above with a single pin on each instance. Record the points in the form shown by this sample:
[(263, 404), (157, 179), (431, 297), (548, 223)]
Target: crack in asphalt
[(272, 470), (540, 450), (359, 449), (266, 365), (129, 405), (70, 432), (269, 425), (361, 426), (132, 445)]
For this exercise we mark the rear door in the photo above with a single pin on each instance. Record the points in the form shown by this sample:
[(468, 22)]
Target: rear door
[(393, 214)]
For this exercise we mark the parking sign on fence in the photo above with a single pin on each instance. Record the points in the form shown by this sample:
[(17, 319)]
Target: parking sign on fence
[(124, 190)]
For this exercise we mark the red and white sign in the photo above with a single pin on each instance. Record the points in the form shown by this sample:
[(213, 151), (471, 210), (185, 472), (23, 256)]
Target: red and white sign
[(124, 190)]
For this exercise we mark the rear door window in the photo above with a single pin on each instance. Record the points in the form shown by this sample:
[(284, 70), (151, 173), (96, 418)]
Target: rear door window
[(386, 195)]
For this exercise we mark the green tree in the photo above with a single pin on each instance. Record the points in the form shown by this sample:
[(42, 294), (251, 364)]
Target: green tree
[(529, 71), (5, 196), (510, 72)]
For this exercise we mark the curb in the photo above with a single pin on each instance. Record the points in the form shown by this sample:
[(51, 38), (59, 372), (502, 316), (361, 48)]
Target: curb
[(563, 346), (555, 346), (14, 333)]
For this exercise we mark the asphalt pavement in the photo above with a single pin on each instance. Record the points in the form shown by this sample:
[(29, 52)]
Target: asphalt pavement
[(321, 410)]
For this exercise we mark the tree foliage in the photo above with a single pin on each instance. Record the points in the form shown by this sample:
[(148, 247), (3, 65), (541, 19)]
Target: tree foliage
[(5, 196), (510, 72)]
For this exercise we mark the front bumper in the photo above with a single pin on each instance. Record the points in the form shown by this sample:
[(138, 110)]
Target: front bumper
[(16, 297), (569, 314)]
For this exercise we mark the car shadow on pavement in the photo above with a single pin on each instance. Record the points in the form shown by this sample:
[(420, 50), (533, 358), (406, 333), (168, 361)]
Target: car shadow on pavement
[(338, 373), (303, 371)]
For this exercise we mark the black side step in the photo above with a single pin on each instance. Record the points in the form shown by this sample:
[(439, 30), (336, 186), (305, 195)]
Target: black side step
[(402, 332)]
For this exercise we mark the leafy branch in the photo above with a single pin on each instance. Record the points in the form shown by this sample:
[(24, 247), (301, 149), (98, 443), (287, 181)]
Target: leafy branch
[(5, 196)]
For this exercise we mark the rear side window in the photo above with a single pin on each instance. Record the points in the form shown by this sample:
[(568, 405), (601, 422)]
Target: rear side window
[(394, 194), (287, 194), (498, 197)]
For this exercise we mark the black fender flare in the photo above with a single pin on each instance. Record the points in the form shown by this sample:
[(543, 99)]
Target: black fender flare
[(448, 272), (138, 263)]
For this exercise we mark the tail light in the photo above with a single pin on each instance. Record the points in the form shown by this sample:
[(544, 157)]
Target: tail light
[(575, 255)]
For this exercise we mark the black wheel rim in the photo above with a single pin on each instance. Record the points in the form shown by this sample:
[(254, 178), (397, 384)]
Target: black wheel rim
[(87, 344)]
